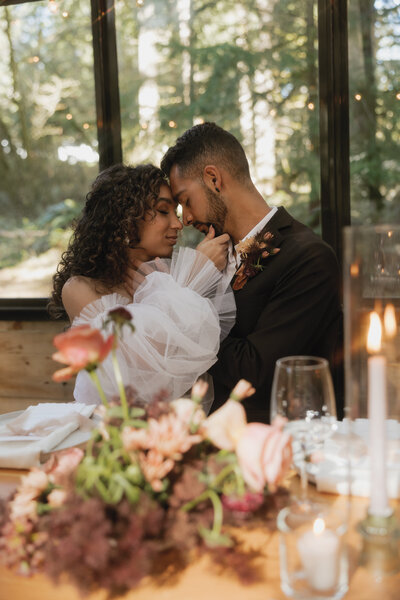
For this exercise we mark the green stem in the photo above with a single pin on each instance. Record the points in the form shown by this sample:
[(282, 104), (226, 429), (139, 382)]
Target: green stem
[(120, 384), (97, 383), (189, 505), (217, 505), (239, 481), (222, 474)]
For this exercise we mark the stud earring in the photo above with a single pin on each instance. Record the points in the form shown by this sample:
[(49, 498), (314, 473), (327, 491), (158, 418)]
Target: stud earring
[(214, 182)]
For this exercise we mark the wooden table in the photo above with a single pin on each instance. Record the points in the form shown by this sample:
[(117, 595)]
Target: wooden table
[(200, 581)]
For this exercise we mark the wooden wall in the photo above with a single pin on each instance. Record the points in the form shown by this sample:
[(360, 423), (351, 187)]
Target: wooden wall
[(26, 365)]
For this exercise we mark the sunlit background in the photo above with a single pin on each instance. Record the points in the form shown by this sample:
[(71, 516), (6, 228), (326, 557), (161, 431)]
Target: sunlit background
[(251, 66)]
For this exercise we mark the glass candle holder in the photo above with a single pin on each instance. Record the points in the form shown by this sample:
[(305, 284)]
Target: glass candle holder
[(372, 356), (313, 559)]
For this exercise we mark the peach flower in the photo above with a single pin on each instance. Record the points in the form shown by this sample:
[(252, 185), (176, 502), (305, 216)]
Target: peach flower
[(35, 482), (56, 497), (23, 505), (187, 411), (171, 436), (62, 465), (155, 467), (226, 425), (135, 439), (81, 348), (265, 454)]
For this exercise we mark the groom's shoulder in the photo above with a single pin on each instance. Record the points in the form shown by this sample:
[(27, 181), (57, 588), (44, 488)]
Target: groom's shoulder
[(298, 232)]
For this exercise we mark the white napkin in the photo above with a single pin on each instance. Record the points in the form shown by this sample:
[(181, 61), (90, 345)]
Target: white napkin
[(24, 440), (344, 449)]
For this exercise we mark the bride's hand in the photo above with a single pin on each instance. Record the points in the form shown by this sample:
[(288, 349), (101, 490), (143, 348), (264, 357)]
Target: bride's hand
[(215, 248), (137, 272)]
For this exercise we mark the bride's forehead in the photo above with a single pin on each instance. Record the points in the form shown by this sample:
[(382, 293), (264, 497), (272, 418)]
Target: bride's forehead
[(165, 193)]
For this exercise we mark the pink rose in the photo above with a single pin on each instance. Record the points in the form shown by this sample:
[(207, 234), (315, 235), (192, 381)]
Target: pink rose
[(226, 425), (62, 465), (265, 454), (80, 347)]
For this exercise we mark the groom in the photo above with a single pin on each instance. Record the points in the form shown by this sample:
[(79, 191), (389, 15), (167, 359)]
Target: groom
[(286, 279)]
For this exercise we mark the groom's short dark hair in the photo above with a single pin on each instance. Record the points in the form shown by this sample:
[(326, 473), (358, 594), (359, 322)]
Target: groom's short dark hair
[(206, 144)]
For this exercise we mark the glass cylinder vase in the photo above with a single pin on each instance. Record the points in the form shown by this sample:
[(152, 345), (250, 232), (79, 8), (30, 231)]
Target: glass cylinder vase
[(372, 361)]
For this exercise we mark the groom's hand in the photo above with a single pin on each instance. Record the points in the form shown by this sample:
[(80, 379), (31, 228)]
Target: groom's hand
[(137, 272), (215, 248)]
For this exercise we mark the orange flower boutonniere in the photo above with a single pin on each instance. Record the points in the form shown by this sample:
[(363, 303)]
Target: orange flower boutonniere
[(252, 250)]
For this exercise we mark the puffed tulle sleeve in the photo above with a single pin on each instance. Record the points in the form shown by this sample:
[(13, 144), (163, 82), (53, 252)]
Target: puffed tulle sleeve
[(181, 312)]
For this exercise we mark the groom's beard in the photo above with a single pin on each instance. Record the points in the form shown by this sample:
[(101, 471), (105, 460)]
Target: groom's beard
[(217, 210)]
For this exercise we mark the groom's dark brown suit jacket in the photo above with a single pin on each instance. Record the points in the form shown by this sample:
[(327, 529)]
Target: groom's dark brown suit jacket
[(290, 307)]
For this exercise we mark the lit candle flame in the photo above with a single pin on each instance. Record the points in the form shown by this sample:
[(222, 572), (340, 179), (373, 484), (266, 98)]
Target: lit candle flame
[(374, 333), (319, 526), (389, 320)]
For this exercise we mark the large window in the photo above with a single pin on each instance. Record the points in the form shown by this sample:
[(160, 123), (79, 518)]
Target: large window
[(48, 137), (252, 67), (374, 59)]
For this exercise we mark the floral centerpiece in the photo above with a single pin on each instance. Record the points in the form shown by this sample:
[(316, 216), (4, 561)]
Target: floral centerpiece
[(155, 483)]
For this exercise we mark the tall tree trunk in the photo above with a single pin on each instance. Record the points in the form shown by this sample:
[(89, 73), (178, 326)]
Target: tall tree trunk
[(369, 101), (18, 97), (313, 126)]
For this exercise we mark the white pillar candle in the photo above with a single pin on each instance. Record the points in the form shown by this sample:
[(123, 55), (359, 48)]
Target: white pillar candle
[(319, 554), (377, 420)]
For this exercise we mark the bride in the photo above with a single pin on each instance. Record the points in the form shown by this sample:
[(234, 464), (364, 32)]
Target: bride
[(182, 308)]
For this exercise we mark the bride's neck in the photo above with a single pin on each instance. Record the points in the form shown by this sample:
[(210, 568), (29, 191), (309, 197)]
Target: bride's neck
[(138, 254)]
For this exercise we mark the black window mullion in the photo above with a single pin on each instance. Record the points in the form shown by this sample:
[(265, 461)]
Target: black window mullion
[(334, 121), (106, 82)]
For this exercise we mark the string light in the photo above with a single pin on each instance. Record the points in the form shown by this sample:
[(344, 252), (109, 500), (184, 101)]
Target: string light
[(85, 125), (144, 126), (398, 96), (33, 59), (310, 105), (172, 124), (65, 14), (139, 3), (358, 97), (68, 116)]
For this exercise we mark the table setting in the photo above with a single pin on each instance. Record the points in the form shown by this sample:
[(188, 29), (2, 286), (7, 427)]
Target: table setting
[(137, 500)]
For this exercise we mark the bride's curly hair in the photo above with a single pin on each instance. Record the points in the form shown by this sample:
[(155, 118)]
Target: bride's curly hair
[(119, 198)]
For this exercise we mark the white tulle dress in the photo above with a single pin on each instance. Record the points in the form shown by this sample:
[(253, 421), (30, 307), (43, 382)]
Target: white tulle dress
[(181, 312)]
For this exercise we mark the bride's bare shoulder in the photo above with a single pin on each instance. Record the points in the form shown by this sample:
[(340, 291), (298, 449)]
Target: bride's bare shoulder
[(77, 292)]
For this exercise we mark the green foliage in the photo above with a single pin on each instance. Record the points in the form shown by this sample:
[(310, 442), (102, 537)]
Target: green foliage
[(250, 66)]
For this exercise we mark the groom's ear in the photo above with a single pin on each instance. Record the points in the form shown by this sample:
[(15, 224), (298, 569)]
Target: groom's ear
[(212, 178)]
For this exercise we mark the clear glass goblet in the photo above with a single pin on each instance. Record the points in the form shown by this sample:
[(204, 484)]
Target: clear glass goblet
[(302, 392)]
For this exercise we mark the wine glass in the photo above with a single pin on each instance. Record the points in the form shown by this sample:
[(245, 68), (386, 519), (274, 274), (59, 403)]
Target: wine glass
[(302, 392)]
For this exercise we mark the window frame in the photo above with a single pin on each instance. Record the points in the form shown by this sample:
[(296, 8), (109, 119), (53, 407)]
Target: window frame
[(334, 124)]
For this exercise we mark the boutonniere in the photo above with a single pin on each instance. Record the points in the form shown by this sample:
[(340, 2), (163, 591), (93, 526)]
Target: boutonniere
[(252, 250)]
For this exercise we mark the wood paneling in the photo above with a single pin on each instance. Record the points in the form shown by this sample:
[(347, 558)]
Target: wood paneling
[(26, 365)]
